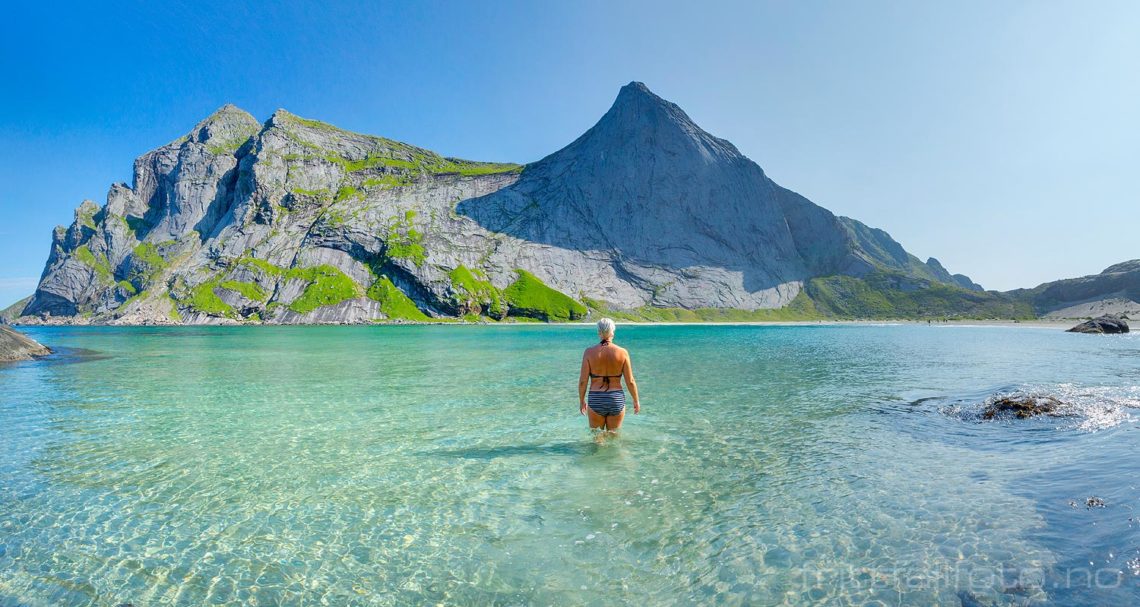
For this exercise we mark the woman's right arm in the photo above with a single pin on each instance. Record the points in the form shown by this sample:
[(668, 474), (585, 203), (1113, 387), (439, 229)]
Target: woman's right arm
[(629, 381), (583, 382)]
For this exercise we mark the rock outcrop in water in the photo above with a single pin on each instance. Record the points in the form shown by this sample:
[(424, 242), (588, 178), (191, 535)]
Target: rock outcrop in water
[(1105, 324), (1021, 406), (297, 221), (17, 346)]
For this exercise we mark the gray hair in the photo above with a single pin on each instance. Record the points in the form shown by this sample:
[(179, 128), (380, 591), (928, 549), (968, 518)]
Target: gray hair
[(606, 326)]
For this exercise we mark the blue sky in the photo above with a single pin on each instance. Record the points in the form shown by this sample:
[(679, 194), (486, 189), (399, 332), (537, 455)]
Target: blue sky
[(999, 137)]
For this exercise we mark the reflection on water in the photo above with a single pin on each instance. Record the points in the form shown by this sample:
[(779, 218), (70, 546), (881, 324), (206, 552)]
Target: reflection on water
[(425, 465)]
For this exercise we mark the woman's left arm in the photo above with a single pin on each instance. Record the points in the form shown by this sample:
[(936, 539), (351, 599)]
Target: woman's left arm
[(627, 370)]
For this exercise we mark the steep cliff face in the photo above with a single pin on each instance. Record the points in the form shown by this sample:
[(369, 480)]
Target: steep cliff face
[(296, 221)]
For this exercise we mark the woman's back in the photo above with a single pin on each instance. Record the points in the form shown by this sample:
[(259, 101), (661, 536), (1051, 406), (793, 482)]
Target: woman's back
[(606, 364)]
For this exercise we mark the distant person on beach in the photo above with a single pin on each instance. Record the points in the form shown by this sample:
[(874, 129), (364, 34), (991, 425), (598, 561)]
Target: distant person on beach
[(603, 366)]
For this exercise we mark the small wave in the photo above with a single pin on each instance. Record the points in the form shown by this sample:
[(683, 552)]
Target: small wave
[(1087, 408)]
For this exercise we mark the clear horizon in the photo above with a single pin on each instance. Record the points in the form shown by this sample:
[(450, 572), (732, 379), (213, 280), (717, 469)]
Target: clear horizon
[(981, 135)]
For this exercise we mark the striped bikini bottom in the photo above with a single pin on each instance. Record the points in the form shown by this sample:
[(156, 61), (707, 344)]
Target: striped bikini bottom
[(607, 403)]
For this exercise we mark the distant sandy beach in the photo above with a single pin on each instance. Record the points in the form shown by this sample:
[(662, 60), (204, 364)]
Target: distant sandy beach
[(1035, 324)]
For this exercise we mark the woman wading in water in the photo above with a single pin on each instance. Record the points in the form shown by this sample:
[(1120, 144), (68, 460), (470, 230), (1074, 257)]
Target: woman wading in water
[(603, 366)]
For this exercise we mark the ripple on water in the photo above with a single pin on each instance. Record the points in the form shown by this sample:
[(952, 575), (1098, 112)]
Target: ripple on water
[(403, 466)]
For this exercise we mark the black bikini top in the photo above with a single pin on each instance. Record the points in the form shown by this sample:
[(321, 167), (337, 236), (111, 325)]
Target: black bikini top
[(605, 342)]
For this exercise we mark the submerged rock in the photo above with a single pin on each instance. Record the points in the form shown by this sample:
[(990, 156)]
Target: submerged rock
[(1109, 323), (969, 599), (16, 346), (1021, 406)]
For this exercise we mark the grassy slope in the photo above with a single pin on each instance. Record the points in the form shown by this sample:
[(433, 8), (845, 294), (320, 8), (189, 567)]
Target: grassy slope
[(879, 297), (12, 312), (393, 302), (528, 296)]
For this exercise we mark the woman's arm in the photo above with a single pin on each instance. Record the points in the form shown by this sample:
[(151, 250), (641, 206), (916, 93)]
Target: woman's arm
[(583, 382), (629, 381)]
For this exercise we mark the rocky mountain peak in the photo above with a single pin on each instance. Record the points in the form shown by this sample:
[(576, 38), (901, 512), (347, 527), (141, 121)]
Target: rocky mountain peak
[(635, 90), (641, 121), (229, 123), (87, 207), (279, 117)]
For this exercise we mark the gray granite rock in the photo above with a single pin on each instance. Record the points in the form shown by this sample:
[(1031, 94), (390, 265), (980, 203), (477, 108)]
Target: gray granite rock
[(17, 346), (1108, 323)]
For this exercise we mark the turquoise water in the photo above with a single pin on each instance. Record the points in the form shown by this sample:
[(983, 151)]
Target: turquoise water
[(448, 465)]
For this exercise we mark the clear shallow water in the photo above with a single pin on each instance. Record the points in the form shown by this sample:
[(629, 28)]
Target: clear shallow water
[(427, 465)]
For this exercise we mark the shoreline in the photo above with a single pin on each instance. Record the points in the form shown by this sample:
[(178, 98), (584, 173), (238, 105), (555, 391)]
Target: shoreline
[(1033, 324)]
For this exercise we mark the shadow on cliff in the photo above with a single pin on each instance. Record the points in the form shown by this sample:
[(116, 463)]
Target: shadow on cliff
[(647, 186), (796, 240)]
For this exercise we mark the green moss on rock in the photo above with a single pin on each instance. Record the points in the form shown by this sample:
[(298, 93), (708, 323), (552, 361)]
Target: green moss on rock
[(529, 296), (249, 290), (473, 289), (203, 298), (148, 254), (227, 147), (393, 302), (264, 266), (147, 263), (404, 241), (175, 315), (468, 168), (327, 286), (98, 263), (320, 194), (347, 192), (86, 215), (387, 181)]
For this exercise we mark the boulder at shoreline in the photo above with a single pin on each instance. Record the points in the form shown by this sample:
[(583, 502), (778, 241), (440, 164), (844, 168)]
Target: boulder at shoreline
[(1109, 323), (17, 346)]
